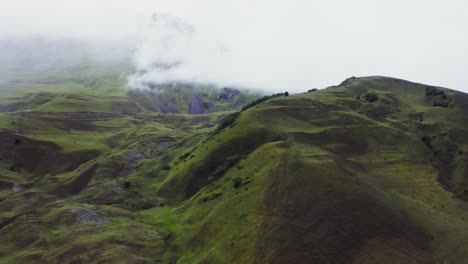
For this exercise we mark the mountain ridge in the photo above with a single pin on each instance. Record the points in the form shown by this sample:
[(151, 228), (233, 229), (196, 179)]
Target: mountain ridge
[(369, 171)]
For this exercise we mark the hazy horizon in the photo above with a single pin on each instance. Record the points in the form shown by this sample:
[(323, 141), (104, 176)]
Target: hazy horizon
[(270, 45)]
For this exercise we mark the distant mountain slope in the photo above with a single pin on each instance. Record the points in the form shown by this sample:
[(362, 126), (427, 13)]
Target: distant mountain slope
[(190, 99), (373, 170)]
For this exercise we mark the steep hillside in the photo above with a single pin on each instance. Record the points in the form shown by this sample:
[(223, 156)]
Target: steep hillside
[(370, 171), (77, 151)]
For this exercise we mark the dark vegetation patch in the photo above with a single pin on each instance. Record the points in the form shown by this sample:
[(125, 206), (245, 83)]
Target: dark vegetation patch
[(77, 184), (225, 156), (427, 140), (371, 97), (438, 97), (441, 104), (263, 99), (127, 184), (210, 196), (433, 91), (227, 121), (451, 166), (187, 154), (39, 157), (348, 81), (230, 120), (239, 182), (334, 224)]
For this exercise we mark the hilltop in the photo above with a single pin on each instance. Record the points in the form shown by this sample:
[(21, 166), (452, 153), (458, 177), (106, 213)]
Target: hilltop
[(369, 171)]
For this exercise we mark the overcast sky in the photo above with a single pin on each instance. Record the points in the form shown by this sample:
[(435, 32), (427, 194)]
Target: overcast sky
[(290, 45)]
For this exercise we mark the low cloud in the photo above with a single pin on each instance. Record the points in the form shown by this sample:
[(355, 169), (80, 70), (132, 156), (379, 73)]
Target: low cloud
[(271, 45), (172, 50)]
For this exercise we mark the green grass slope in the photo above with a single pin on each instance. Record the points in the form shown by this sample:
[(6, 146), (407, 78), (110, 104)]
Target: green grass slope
[(78, 160), (370, 171)]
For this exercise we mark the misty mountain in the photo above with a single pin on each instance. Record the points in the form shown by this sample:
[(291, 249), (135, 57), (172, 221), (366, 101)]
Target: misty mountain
[(196, 132), (45, 56), (370, 171)]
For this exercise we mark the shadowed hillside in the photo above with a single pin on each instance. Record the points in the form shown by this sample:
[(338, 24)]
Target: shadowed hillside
[(371, 171)]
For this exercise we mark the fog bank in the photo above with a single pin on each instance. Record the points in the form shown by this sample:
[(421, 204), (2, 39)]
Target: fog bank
[(275, 45)]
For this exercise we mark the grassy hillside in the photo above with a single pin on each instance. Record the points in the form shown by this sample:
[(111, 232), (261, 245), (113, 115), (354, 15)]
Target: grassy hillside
[(370, 171)]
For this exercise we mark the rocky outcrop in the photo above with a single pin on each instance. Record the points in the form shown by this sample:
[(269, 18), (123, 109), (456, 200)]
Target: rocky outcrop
[(197, 106), (228, 94), (86, 216)]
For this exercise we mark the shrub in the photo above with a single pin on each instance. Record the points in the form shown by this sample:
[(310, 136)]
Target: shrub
[(184, 156), (348, 81), (237, 182), (432, 91), (227, 121), (211, 196), (231, 119), (312, 90), (127, 184), (427, 141), (371, 97), (441, 104), (166, 167), (263, 99)]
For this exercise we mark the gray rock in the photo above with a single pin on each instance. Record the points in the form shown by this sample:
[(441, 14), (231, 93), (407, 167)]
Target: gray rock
[(164, 144), (17, 187), (228, 94), (196, 105), (133, 155), (86, 216)]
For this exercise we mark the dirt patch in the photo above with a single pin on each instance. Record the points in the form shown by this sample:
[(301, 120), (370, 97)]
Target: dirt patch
[(78, 183), (19, 153)]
